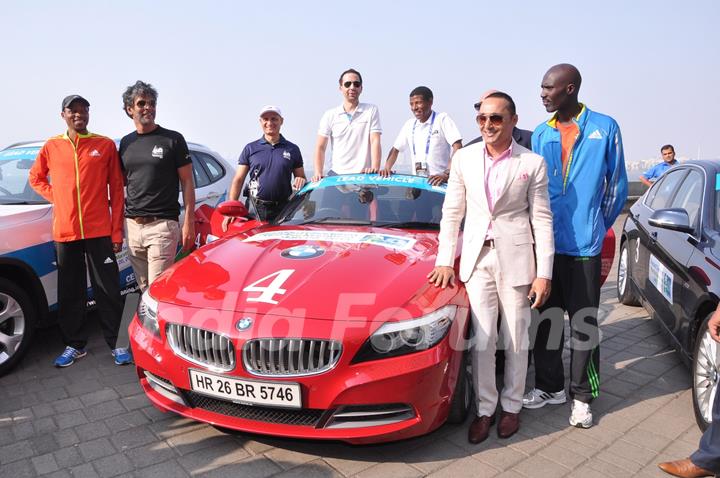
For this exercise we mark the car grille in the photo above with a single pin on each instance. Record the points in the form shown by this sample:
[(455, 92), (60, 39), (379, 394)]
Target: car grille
[(302, 417), (202, 347), (290, 357)]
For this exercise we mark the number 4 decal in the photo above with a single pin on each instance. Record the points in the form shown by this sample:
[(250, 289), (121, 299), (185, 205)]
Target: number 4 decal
[(274, 288)]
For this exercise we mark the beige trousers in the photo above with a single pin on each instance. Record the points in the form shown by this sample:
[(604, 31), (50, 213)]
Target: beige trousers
[(490, 298), (151, 248)]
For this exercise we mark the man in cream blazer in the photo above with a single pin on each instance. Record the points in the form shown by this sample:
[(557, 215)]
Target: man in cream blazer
[(506, 263)]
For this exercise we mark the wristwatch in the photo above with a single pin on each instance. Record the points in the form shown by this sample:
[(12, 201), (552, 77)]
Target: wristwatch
[(447, 172)]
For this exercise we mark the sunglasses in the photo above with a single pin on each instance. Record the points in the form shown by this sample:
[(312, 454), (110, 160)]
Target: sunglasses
[(356, 84), (143, 103), (495, 120)]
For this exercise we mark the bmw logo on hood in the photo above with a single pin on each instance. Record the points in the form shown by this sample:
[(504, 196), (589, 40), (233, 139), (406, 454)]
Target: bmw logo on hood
[(303, 252), (244, 323)]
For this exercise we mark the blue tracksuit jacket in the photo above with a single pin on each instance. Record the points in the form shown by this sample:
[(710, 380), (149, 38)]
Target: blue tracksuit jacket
[(587, 200)]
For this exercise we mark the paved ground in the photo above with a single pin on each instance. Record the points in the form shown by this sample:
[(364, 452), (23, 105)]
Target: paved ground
[(93, 420)]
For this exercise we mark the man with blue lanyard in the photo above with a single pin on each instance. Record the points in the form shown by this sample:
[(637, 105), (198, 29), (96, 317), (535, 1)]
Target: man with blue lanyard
[(431, 139), (588, 187), (270, 162), (654, 173)]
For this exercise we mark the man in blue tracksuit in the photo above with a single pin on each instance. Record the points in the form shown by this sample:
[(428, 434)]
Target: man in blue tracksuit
[(588, 188)]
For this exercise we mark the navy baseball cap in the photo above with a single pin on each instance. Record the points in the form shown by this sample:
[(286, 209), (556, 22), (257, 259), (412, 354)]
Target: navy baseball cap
[(70, 98)]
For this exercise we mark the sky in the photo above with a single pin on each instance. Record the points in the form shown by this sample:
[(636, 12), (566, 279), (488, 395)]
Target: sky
[(652, 65)]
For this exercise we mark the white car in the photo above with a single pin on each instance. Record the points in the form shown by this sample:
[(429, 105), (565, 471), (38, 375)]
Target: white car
[(28, 268)]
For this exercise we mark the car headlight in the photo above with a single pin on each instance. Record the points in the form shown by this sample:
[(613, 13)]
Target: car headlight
[(147, 313), (408, 336)]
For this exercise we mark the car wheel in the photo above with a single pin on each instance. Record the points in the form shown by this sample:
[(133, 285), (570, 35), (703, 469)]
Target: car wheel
[(462, 396), (705, 363), (625, 289), (17, 324)]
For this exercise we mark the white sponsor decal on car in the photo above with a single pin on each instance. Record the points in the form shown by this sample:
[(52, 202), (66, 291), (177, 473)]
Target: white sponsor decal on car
[(661, 277), (394, 242)]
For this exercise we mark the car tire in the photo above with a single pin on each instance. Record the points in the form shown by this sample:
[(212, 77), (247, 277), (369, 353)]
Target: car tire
[(705, 364), (18, 318), (626, 292), (463, 393)]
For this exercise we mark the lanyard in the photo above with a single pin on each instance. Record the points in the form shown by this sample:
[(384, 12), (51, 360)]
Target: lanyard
[(427, 143)]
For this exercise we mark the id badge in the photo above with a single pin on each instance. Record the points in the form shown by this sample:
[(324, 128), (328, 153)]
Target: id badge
[(421, 169)]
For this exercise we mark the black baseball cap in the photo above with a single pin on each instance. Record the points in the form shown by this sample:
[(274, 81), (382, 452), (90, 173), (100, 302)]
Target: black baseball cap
[(70, 98)]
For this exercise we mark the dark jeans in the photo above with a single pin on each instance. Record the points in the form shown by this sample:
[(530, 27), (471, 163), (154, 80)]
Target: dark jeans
[(72, 289), (575, 290), (708, 453)]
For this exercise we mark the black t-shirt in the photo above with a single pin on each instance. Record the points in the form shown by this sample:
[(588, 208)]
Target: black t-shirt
[(150, 162)]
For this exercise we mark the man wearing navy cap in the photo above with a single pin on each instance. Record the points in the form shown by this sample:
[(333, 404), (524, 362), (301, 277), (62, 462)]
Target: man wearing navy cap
[(270, 163)]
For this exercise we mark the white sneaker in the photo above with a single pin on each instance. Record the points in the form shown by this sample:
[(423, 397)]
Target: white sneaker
[(580, 414), (536, 398)]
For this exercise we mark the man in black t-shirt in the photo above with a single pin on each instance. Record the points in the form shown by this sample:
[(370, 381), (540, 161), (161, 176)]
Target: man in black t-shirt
[(156, 162)]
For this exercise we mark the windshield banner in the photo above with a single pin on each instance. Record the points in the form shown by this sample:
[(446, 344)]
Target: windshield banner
[(418, 182), (19, 153)]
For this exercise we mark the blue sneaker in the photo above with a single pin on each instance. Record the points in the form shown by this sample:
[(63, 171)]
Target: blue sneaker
[(122, 356), (69, 356)]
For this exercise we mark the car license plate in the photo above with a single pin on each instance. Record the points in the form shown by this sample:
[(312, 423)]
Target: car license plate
[(248, 392)]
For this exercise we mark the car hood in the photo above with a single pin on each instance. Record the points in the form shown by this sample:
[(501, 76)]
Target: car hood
[(321, 272), (12, 215)]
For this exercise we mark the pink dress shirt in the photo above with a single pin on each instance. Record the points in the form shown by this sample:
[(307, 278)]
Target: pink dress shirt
[(496, 171)]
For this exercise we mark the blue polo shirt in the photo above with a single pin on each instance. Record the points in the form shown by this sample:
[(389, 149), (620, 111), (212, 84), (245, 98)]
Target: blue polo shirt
[(656, 171), (272, 166)]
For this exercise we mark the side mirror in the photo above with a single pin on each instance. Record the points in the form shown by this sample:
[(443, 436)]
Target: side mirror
[(674, 219), (232, 209)]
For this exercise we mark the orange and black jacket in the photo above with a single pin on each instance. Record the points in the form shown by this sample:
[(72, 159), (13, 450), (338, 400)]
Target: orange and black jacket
[(84, 182)]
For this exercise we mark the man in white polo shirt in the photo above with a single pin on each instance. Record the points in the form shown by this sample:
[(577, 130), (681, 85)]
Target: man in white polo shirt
[(430, 138), (353, 130)]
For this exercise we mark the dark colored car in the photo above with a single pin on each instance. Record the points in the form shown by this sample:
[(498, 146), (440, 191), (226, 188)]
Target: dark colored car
[(670, 263)]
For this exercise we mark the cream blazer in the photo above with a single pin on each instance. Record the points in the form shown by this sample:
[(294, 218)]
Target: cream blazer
[(521, 219)]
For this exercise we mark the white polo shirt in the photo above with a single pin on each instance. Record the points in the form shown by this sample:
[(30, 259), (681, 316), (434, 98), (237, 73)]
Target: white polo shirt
[(432, 146), (349, 137)]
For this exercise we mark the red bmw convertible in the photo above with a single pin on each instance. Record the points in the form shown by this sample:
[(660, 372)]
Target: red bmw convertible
[(320, 324)]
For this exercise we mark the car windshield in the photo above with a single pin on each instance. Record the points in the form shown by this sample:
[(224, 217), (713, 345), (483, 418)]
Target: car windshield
[(15, 164), (367, 199)]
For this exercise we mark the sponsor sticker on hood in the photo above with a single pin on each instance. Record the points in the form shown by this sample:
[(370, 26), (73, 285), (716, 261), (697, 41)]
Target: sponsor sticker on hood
[(386, 240)]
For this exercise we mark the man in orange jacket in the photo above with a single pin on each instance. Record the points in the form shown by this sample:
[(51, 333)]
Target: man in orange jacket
[(85, 171)]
